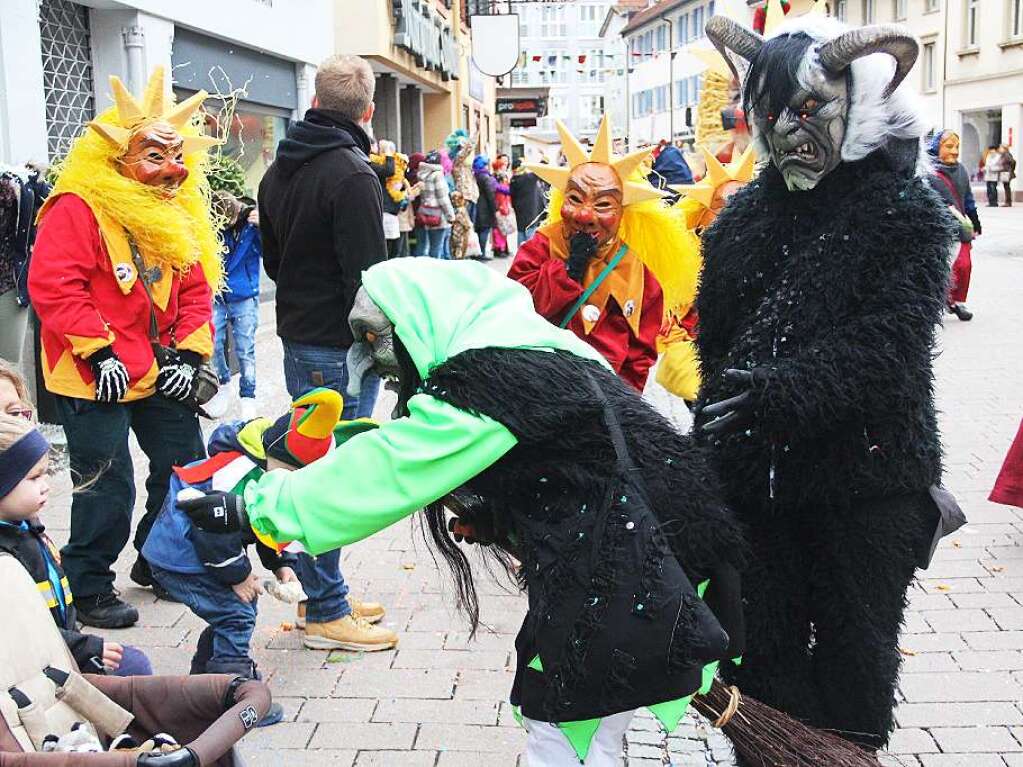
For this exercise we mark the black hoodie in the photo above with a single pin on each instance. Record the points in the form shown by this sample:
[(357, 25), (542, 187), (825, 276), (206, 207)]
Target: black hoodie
[(321, 222)]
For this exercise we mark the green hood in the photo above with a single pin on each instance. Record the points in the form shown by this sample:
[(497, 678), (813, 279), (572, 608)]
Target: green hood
[(442, 308)]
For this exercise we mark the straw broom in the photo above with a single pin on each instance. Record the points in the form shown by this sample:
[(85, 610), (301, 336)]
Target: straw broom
[(766, 737)]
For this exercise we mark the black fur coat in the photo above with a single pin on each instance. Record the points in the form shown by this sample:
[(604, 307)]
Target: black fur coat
[(837, 291)]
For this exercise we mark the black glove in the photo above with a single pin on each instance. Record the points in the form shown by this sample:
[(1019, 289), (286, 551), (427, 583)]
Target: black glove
[(174, 380), (110, 373), (183, 757), (581, 249), (975, 220), (735, 413), (217, 512)]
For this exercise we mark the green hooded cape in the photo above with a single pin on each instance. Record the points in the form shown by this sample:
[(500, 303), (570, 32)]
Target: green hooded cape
[(439, 309)]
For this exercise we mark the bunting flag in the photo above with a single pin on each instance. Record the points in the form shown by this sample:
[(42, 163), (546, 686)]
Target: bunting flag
[(582, 58), (537, 58)]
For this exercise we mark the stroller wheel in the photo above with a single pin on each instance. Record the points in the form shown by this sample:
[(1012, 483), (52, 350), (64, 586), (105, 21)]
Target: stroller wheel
[(273, 716)]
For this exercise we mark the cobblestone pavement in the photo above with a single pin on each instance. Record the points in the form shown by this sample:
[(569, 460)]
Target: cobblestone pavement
[(440, 700)]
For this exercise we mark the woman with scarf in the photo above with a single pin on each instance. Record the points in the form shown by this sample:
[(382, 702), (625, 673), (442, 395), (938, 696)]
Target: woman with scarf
[(487, 205), (419, 244), (952, 183)]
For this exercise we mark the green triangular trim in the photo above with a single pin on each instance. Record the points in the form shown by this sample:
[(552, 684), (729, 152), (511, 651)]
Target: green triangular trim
[(252, 476), (670, 713), (737, 661), (708, 676), (580, 735), (702, 588), (535, 664), (517, 713)]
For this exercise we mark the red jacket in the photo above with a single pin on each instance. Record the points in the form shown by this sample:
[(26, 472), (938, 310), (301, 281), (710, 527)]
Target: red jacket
[(87, 299), (1009, 486), (554, 293)]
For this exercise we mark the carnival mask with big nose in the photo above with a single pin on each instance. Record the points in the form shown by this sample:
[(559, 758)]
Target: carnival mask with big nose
[(154, 157), (948, 149), (593, 203), (373, 343)]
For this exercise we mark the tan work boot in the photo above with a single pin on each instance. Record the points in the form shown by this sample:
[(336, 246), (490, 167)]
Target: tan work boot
[(348, 633), (372, 612)]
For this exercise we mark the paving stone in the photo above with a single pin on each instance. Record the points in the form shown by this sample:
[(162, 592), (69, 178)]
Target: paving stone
[(960, 687), (453, 712), (959, 620), (929, 662), (289, 757), (994, 640), (925, 643), (982, 601), (1007, 618), (957, 714), (394, 758), (484, 685), (337, 710), (298, 682), (975, 739), (439, 737), (397, 683), (365, 736), (912, 741), (961, 760), (477, 759), (493, 660), (284, 735), (996, 660)]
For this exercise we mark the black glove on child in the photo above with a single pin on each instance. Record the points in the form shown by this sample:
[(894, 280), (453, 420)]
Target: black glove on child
[(582, 248), (175, 378), (216, 512), (110, 373), (730, 415)]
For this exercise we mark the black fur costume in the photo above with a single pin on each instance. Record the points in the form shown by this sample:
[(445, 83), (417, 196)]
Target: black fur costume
[(836, 292), (546, 495)]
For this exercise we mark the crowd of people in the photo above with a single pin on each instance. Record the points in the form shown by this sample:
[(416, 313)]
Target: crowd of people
[(519, 422)]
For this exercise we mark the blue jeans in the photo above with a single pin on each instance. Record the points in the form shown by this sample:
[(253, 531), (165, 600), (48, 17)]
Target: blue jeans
[(420, 247), (525, 234), (243, 317), (305, 368), (436, 238), (231, 620), (445, 247)]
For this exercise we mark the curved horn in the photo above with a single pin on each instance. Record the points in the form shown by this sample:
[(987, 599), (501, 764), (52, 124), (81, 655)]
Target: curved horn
[(730, 37), (836, 55)]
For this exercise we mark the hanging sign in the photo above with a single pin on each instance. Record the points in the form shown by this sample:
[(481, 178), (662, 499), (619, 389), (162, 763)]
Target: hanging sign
[(495, 43)]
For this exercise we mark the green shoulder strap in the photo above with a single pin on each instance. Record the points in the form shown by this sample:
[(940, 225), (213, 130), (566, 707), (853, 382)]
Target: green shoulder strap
[(594, 285)]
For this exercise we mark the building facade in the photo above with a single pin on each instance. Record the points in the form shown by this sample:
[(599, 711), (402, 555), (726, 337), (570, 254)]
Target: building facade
[(970, 70), (56, 57), (562, 50), (427, 85)]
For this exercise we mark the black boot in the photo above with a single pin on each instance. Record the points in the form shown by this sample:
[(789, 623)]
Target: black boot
[(106, 611), (246, 668), (962, 312), (141, 573)]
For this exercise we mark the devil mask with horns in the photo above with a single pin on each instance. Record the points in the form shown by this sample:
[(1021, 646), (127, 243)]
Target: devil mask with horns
[(816, 93)]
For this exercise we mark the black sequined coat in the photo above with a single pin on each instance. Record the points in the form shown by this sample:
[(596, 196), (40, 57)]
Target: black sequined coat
[(837, 291), (632, 643)]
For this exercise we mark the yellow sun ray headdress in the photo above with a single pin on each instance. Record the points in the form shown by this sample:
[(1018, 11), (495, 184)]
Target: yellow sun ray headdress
[(131, 115), (702, 192), (632, 191)]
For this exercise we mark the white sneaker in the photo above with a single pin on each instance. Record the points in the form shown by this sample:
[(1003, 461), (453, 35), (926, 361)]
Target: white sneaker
[(220, 402), (249, 409)]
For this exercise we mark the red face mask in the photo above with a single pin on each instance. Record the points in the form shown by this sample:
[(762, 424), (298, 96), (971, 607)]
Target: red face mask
[(593, 203), (154, 158)]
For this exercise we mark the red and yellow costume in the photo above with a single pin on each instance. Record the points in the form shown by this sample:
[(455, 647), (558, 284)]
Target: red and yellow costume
[(622, 316), (83, 278)]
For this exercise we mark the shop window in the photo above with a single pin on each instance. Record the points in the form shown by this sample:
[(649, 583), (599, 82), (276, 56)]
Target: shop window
[(901, 10), (252, 139)]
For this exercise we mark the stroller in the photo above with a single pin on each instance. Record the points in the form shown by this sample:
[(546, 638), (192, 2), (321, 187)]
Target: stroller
[(42, 693)]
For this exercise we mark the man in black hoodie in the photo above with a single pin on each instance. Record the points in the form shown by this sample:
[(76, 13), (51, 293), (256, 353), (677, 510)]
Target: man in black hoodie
[(321, 223)]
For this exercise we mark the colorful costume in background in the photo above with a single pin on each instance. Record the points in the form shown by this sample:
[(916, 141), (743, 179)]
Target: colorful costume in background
[(613, 514), (679, 368), (952, 183), (595, 266), (125, 236), (822, 284)]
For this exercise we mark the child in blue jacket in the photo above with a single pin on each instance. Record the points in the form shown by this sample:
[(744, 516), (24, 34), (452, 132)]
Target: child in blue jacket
[(211, 573), (238, 305)]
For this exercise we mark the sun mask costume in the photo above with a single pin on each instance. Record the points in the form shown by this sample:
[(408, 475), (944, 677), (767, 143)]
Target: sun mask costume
[(529, 422), (126, 240), (596, 264), (679, 368), (823, 281)]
